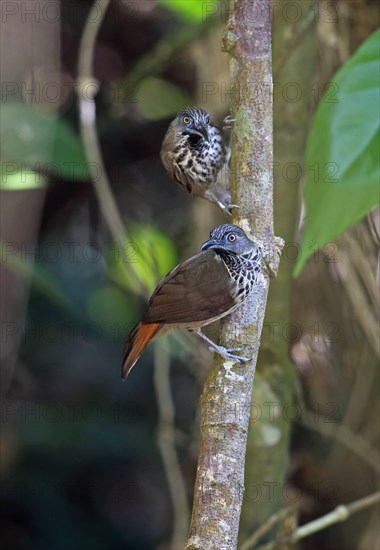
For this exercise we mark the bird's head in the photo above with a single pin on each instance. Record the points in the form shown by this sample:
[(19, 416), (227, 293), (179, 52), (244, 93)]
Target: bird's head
[(232, 239), (193, 122)]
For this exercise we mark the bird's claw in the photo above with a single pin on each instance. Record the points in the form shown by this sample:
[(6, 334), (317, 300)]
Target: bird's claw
[(226, 354), (227, 121), (227, 208), (230, 207)]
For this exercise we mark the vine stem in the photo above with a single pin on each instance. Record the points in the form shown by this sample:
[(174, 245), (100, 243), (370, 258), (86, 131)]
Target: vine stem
[(87, 89), (341, 513), (166, 444)]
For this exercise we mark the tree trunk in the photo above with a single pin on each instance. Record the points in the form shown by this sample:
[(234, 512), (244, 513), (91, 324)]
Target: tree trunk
[(225, 403), (274, 398)]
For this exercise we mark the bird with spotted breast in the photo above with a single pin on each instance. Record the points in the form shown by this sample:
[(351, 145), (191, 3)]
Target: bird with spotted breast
[(195, 154), (202, 289)]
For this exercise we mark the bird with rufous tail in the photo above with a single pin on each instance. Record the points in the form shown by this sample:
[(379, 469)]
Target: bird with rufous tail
[(202, 289)]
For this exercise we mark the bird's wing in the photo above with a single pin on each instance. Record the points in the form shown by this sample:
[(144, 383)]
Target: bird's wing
[(195, 291), (175, 172), (167, 158), (170, 164)]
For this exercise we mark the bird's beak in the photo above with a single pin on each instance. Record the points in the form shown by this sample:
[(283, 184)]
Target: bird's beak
[(199, 131), (211, 243)]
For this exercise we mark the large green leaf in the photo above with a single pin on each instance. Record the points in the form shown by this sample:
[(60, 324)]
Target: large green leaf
[(41, 141), (343, 151)]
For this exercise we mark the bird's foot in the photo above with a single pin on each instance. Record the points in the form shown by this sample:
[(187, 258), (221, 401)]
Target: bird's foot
[(227, 121), (220, 195), (230, 207), (227, 208), (227, 354)]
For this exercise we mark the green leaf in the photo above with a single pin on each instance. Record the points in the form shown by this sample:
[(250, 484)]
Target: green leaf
[(13, 179), (150, 255), (40, 141), (343, 151), (192, 10), (158, 99)]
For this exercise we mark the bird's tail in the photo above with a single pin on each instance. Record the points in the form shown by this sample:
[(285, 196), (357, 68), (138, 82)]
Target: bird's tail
[(138, 340)]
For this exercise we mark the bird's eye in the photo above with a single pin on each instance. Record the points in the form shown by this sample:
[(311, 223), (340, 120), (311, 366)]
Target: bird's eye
[(186, 119), (231, 237)]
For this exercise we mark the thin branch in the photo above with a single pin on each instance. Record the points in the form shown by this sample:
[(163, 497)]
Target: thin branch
[(87, 90), (341, 513), (166, 444), (265, 528)]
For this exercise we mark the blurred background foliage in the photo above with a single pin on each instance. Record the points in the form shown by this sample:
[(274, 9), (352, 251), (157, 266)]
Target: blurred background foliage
[(80, 462)]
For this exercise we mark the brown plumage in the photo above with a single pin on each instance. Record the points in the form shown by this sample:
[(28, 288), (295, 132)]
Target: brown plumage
[(199, 291)]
